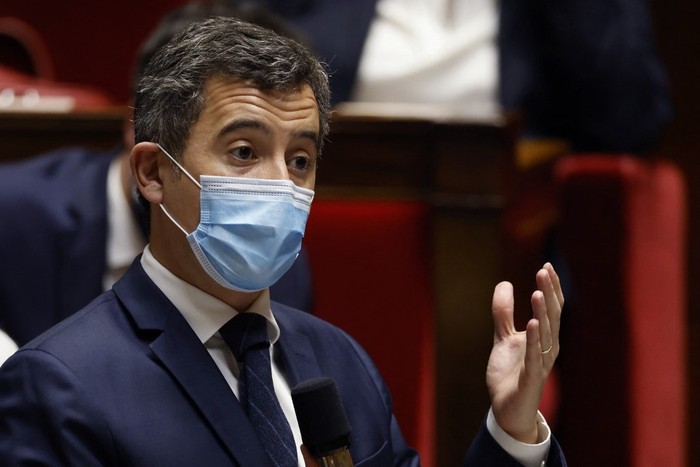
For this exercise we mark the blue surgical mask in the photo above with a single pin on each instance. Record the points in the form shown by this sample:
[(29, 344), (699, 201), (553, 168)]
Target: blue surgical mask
[(250, 230)]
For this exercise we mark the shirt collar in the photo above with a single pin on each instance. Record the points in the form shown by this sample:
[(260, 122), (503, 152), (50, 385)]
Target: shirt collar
[(203, 312)]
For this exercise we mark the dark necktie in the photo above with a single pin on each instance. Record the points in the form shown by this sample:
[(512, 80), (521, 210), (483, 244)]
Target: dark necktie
[(246, 335)]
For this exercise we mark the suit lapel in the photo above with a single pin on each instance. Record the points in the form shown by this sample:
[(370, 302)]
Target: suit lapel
[(190, 364), (188, 361), (296, 353)]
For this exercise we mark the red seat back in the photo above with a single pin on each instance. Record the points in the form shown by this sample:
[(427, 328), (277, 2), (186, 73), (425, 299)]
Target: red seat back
[(371, 268), (623, 365)]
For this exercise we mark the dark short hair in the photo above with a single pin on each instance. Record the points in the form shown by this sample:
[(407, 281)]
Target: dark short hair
[(177, 20), (170, 92)]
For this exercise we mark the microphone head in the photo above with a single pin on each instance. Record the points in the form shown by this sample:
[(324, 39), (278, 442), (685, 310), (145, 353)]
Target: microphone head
[(322, 419)]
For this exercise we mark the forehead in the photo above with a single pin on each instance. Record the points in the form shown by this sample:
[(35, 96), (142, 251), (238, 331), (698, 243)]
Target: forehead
[(225, 98)]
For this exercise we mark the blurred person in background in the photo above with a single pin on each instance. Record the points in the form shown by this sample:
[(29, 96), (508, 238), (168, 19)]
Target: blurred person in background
[(585, 73)]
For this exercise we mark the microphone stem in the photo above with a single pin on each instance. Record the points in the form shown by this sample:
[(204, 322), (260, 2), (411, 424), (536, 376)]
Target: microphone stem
[(338, 458)]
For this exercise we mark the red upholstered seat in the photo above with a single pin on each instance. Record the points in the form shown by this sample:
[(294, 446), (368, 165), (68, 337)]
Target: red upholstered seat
[(27, 77), (371, 269), (41, 94), (623, 367), (23, 49)]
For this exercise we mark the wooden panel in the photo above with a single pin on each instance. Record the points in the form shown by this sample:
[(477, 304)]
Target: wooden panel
[(26, 134), (378, 157)]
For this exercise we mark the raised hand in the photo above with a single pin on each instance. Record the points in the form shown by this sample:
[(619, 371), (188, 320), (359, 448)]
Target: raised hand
[(520, 362)]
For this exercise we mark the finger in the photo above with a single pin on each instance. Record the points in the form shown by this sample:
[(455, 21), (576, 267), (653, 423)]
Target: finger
[(533, 349), (556, 283), (552, 293), (502, 308), (539, 311)]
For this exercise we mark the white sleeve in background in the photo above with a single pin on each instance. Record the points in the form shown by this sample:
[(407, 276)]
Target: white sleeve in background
[(7, 347)]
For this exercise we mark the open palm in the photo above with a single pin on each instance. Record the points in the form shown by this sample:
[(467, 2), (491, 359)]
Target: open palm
[(521, 361)]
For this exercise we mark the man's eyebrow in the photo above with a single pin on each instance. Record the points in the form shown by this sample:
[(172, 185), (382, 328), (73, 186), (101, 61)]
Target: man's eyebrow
[(245, 123), (258, 125), (309, 134)]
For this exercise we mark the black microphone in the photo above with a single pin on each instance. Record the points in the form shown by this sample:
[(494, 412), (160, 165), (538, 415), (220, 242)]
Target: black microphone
[(324, 426)]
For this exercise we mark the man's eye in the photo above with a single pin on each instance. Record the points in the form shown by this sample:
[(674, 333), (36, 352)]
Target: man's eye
[(300, 163), (243, 153)]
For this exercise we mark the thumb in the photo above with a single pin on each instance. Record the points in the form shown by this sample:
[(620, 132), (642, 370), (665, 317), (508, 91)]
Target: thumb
[(502, 308)]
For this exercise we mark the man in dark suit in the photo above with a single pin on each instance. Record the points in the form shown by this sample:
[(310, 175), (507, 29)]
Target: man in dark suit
[(583, 72), (230, 120), (72, 225)]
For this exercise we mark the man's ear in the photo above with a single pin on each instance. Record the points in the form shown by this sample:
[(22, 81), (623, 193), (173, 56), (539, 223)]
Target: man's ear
[(144, 168)]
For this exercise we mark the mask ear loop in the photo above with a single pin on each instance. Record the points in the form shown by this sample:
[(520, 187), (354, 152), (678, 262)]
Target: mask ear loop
[(160, 205), (162, 208), (179, 166)]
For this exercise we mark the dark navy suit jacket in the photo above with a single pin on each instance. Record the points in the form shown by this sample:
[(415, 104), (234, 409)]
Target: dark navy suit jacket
[(53, 234), (126, 381), (586, 71)]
